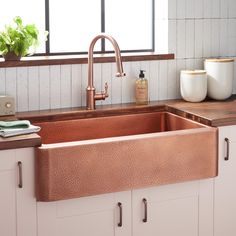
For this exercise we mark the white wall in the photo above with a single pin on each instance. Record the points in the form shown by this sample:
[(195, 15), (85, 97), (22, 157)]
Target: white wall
[(197, 29)]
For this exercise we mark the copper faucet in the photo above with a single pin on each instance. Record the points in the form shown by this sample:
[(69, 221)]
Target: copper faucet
[(92, 96)]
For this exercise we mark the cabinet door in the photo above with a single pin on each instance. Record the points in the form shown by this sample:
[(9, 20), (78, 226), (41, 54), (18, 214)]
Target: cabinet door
[(179, 209), (17, 205), (25, 196), (225, 185), (88, 216), (7, 193)]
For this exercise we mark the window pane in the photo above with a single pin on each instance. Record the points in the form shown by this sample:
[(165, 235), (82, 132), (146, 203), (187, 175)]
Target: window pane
[(31, 12), (73, 24), (130, 22)]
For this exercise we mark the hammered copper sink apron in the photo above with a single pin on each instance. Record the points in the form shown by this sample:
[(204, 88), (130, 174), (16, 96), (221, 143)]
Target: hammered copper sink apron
[(92, 156)]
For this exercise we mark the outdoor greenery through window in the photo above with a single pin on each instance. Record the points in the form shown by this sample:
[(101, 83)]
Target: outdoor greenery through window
[(73, 23)]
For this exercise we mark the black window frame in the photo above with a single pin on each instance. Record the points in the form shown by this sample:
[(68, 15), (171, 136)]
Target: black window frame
[(103, 51)]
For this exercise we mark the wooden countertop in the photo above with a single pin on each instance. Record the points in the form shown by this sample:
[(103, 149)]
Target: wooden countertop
[(20, 141), (212, 113)]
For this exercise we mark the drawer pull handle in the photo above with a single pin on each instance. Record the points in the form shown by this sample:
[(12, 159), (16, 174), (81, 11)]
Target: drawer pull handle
[(145, 210), (121, 213), (20, 184), (227, 149)]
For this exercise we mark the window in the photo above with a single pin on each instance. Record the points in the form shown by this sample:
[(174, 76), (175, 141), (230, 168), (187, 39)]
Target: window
[(73, 23)]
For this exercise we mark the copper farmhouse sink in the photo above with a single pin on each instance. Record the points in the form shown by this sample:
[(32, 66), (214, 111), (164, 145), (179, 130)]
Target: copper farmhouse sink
[(99, 155)]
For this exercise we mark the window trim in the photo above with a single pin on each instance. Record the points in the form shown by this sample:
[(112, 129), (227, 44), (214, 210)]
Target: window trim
[(82, 59)]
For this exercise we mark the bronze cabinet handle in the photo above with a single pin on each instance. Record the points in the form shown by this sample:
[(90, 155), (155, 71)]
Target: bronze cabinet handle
[(121, 214), (227, 149), (145, 210), (20, 184)]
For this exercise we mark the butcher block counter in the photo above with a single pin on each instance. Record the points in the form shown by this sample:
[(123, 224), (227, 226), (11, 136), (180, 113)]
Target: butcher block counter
[(209, 112)]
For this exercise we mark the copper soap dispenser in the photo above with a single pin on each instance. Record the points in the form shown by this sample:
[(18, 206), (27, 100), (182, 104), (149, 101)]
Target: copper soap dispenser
[(141, 89)]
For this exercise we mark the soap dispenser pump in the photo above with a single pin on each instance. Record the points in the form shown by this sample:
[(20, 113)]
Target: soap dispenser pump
[(141, 89)]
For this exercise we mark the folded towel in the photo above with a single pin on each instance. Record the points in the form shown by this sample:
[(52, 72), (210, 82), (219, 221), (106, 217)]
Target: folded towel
[(9, 132), (14, 124)]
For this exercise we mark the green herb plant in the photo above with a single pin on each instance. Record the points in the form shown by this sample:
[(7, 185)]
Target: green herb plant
[(19, 39)]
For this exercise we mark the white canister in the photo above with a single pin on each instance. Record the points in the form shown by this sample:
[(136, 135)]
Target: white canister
[(193, 85), (220, 74)]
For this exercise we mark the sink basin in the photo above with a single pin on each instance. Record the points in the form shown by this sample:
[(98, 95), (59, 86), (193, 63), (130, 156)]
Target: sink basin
[(113, 126), (92, 156)]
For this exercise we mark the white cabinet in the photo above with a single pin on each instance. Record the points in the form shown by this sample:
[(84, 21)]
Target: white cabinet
[(179, 209), (225, 185), (88, 216), (7, 194), (17, 205)]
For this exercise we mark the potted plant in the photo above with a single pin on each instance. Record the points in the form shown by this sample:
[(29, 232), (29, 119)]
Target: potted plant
[(18, 40)]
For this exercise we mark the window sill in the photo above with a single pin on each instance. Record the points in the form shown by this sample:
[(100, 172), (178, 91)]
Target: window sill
[(82, 59)]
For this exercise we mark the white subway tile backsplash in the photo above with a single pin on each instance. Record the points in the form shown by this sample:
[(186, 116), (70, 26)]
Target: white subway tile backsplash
[(193, 30), (163, 86), (215, 8), (198, 9), (180, 65), (2, 81), (232, 28), (207, 8), (33, 87), (116, 87), (107, 78), (198, 38), (190, 64), (171, 80), (181, 39), (66, 86), (154, 80), (172, 39), (11, 83), (128, 85), (181, 9), (55, 87), (232, 9), (190, 25), (232, 47), (215, 38), (190, 14), (97, 78), (84, 80), (44, 88), (22, 89), (207, 39), (172, 9), (76, 77), (224, 37), (198, 64), (224, 8)]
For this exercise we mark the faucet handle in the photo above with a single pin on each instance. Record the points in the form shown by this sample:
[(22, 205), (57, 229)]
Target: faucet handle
[(102, 95)]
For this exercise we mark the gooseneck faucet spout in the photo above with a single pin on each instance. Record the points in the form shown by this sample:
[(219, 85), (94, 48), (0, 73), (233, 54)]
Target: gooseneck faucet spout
[(91, 94)]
